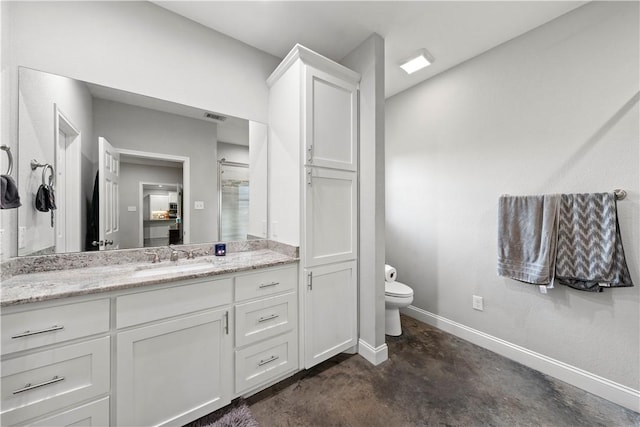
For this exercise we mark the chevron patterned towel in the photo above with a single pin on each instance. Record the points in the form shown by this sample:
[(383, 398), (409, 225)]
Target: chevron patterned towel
[(590, 255)]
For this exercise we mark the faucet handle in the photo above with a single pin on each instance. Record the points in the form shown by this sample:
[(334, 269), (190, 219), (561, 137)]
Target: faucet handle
[(193, 252), (156, 257)]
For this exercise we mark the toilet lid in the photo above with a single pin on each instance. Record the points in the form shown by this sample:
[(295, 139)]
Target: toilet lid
[(397, 289)]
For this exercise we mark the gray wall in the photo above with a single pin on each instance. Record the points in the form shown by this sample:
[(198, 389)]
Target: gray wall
[(368, 60), (555, 110), (141, 129), (39, 92), (233, 152)]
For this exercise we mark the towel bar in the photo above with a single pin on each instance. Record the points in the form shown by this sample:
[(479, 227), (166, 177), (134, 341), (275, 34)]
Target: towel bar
[(35, 165), (7, 149), (619, 194)]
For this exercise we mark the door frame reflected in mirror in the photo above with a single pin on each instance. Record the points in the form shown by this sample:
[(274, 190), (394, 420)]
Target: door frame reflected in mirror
[(221, 163), (186, 209)]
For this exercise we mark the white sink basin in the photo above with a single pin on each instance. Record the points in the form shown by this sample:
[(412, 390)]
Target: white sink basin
[(172, 269)]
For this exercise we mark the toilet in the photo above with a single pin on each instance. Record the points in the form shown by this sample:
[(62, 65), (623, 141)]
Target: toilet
[(396, 296)]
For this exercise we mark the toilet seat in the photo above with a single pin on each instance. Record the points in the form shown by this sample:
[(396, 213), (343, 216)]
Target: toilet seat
[(397, 289)]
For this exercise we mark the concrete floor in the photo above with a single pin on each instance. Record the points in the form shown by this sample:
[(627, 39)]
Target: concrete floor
[(431, 378)]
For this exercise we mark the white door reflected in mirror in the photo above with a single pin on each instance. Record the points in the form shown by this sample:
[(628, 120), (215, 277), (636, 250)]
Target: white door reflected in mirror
[(109, 189)]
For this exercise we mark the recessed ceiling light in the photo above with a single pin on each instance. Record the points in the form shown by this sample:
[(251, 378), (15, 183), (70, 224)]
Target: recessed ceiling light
[(417, 61)]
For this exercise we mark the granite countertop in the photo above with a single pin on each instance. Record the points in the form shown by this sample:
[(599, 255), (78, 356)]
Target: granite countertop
[(48, 285)]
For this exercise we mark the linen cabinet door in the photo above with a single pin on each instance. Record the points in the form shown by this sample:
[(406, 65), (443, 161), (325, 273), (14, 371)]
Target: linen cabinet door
[(331, 121), (331, 309), (330, 231), (173, 372)]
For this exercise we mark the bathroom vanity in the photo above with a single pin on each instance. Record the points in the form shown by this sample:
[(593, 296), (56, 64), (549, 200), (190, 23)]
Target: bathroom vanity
[(146, 344), (102, 341)]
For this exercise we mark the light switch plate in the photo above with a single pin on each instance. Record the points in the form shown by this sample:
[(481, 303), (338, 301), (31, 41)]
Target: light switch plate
[(132, 208), (198, 204)]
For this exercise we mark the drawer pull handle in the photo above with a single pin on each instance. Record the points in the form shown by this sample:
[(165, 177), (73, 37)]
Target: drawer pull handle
[(269, 317), (268, 285), (29, 386), (269, 360), (41, 331)]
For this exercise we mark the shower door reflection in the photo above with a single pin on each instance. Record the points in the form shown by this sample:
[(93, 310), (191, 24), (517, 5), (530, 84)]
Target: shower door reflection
[(233, 200)]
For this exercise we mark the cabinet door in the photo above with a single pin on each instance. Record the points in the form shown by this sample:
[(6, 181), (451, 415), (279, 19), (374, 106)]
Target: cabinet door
[(331, 121), (330, 311), (159, 202), (330, 216), (175, 371)]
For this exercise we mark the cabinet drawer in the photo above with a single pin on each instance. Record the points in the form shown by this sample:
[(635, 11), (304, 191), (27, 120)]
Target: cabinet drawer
[(265, 361), (265, 318), (92, 414), (34, 328), (265, 283), (148, 306), (44, 382)]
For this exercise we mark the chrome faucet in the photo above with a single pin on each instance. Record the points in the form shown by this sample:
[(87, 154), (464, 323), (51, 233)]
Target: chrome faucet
[(174, 253), (191, 253), (156, 257)]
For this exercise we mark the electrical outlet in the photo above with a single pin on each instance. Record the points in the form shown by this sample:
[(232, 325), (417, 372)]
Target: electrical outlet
[(198, 204), (478, 303)]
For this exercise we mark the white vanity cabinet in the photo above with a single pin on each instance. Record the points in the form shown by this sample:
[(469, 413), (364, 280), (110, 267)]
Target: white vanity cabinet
[(173, 353), (313, 149), (266, 327), (163, 354), (55, 358)]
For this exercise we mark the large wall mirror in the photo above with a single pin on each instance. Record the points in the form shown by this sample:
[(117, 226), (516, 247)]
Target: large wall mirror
[(104, 169)]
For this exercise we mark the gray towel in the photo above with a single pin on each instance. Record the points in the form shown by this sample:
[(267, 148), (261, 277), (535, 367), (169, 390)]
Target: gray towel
[(9, 197), (590, 252), (527, 236)]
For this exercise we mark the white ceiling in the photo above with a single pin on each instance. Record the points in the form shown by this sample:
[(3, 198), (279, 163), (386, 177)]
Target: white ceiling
[(452, 31)]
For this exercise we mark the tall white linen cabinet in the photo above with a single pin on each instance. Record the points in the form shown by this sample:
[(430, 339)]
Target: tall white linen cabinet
[(313, 193)]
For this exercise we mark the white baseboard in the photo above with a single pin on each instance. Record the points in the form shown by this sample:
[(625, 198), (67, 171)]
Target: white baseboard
[(607, 389), (375, 355)]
